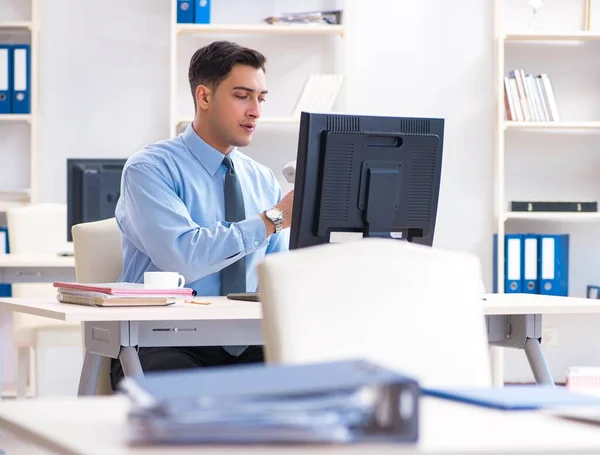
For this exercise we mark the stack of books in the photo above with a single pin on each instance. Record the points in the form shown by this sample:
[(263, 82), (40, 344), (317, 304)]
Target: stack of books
[(319, 94), (529, 97), (117, 294)]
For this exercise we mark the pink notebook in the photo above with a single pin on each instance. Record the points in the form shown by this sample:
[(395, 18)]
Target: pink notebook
[(122, 288)]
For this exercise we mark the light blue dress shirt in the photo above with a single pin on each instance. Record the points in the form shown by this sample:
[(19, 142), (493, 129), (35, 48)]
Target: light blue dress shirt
[(171, 211)]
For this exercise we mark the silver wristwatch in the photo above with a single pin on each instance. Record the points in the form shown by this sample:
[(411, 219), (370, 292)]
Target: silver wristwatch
[(276, 217)]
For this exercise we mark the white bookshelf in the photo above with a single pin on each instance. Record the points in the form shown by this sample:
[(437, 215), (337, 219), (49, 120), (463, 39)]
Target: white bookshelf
[(207, 32), (534, 134), (16, 25), (259, 29), (265, 120), (553, 216), (560, 36), (16, 117), (508, 125), (15, 197)]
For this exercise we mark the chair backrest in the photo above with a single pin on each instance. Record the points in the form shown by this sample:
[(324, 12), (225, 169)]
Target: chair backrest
[(413, 308), (98, 259), (37, 228), (97, 247)]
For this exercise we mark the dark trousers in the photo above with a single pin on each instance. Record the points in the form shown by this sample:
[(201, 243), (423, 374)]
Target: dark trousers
[(179, 358)]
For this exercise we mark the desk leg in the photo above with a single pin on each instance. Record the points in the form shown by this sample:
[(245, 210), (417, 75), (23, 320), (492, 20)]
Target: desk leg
[(90, 372), (130, 361), (521, 331), (497, 359), (537, 362)]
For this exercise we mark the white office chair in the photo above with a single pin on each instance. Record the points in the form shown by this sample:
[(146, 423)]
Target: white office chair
[(38, 229), (408, 307), (98, 259)]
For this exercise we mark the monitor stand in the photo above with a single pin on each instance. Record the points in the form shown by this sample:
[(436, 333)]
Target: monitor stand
[(381, 199)]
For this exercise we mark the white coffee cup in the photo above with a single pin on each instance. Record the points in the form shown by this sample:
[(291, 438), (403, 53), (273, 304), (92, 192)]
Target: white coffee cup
[(163, 280)]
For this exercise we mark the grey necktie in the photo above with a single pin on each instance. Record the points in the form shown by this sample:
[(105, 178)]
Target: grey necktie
[(233, 277)]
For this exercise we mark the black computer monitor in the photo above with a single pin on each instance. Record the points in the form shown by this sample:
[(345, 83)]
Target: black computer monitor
[(93, 188), (379, 176)]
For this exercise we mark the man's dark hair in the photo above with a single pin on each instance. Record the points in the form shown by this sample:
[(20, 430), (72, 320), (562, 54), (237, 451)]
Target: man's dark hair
[(211, 64)]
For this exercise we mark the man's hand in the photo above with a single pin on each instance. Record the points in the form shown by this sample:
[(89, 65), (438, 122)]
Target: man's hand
[(285, 205)]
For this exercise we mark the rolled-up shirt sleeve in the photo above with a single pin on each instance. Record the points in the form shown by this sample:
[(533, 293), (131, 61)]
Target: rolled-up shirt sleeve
[(156, 221)]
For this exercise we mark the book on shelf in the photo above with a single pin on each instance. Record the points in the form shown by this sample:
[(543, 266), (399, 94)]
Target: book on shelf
[(319, 93), (529, 97)]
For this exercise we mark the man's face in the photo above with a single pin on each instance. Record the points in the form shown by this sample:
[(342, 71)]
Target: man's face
[(236, 105)]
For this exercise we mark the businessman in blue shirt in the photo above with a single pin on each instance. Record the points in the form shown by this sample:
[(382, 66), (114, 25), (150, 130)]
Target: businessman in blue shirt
[(195, 204)]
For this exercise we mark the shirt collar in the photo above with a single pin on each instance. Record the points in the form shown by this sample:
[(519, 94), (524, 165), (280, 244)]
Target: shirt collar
[(209, 157)]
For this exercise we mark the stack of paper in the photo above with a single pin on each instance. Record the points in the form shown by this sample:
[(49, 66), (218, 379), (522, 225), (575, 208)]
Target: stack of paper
[(337, 402), (117, 294)]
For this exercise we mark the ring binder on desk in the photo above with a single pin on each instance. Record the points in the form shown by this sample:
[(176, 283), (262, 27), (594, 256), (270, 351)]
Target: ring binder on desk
[(336, 402)]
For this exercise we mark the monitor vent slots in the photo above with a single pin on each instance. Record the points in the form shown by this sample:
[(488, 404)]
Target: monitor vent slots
[(423, 178), (338, 187)]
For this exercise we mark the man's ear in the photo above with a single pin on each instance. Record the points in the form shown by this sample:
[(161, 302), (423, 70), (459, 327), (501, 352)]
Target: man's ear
[(203, 94)]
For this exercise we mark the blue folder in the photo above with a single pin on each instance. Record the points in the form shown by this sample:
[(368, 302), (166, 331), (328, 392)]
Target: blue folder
[(202, 12), (554, 264), (185, 11), (520, 397), (5, 79), (21, 80)]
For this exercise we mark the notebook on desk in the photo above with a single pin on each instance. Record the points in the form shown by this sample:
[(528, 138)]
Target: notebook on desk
[(123, 289), (98, 299), (519, 397)]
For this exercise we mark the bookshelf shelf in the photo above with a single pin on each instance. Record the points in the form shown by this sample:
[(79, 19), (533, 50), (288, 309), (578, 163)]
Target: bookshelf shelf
[(510, 125), (15, 117), (259, 29), (263, 120), (566, 36), (553, 216), (16, 25)]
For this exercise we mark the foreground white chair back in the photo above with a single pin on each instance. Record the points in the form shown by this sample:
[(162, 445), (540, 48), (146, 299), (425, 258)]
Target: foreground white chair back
[(409, 307), (98, 259)]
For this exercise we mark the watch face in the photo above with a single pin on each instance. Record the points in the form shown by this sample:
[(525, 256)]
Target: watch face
[(273, 213)]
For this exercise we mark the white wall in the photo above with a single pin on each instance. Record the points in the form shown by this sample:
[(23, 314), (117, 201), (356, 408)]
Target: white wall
[(105, 82), (435, 59)]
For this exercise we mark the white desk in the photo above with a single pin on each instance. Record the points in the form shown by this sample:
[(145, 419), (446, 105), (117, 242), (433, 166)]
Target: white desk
[(115, 332), (515, 321), (35, 268), (23, 268), (97, 425), (519, 304)]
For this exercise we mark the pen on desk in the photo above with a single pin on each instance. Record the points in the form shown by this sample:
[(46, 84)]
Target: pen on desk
[(198, 302)]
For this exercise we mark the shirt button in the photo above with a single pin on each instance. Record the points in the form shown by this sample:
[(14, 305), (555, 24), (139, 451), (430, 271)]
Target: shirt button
[(256, 243)]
